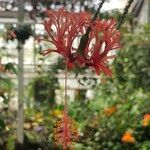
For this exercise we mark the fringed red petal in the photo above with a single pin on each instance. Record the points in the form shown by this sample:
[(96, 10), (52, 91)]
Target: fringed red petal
[(103, 38), (65, 132)]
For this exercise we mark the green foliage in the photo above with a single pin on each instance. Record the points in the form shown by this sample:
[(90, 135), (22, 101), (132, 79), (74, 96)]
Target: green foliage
[(12, 68), (127, 95), (2, 124), (103, 131), (5, 93), (44, 88), (132, 65), (5, 82)]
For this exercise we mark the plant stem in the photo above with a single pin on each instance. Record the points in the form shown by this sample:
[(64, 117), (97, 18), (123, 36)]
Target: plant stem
[(65, 102), (66, 130)]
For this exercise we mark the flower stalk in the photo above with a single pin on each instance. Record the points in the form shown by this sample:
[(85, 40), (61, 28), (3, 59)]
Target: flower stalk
[(65, 103)]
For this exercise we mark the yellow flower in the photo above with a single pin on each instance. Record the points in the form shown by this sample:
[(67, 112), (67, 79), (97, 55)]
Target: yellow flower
[(57, 113), (40, 120), (39, 115), (146, 120), (128, 138), (110, 110)]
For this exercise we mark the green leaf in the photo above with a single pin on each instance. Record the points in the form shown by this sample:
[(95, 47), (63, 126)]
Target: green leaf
[(11, 67), (5, 82), (2, 124)]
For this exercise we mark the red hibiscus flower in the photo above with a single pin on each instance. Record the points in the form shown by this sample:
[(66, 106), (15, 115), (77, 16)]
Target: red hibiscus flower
[(103, 38), (63, 27)]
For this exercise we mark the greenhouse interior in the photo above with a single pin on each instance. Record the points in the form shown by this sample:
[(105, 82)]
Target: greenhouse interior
[(74, 74)]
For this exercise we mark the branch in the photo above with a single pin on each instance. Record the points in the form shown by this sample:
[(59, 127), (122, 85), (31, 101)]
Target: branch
[(85, 37), (124, 15)]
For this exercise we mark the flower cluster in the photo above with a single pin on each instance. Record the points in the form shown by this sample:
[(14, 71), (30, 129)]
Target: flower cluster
[(128, 138), (110, 110), (64, 27), (146, 120)]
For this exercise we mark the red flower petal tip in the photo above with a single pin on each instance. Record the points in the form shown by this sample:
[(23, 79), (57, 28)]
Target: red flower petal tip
[(65, 132)]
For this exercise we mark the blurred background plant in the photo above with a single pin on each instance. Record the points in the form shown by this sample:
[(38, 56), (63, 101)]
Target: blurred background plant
[(6, 86)]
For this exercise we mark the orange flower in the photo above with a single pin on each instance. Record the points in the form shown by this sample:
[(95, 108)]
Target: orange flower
[(146, 120), (110, 110), (128, 138)]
